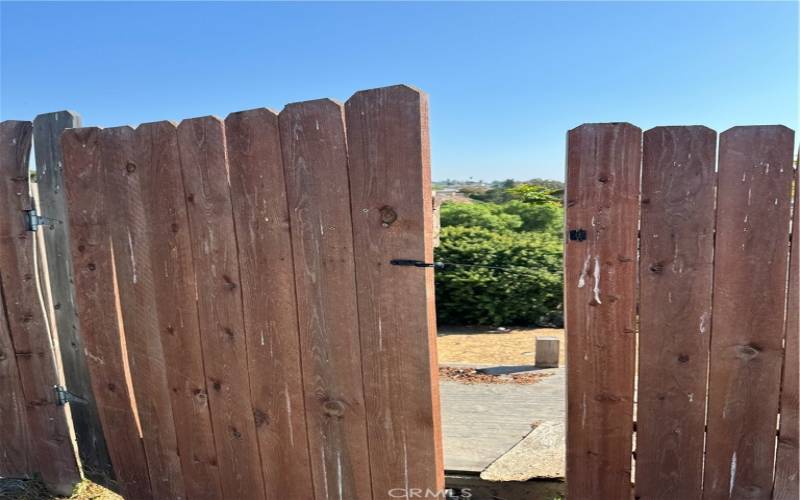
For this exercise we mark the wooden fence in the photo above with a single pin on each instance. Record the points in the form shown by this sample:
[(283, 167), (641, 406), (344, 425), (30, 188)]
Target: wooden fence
[(245, 333), (698, 243)]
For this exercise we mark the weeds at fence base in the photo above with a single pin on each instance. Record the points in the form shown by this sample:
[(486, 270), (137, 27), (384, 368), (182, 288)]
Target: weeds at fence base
[(34, 489)]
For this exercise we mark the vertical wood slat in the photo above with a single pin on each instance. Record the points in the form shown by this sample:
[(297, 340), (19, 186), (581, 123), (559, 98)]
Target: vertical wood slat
[(201, 142), (753, 207), (15, 459), (315, 165), (603, 167), (158, 166), (95, 303), (263, 236), (389, 171), (676, 273), (787, 460), (127, 224), (92, 449), (51, 444)]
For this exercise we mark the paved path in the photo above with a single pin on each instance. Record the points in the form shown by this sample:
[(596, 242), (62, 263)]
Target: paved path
[(481, 422)]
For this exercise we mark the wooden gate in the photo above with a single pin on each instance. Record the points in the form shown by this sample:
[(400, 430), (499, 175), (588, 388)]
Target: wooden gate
[(34, 431), (698, 243), (245, 332)]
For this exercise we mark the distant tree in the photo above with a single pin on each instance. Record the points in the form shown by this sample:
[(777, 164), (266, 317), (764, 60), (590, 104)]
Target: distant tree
[(483, 215), (534, 194), (545, 217)]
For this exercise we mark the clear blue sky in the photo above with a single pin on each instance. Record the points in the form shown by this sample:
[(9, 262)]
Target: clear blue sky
[(506, 81)]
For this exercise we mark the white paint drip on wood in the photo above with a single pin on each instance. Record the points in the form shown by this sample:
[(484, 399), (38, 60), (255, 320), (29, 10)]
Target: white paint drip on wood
[(703, 319), (339, 474), (597, 280), (324, 471), (583, 411), (733, 474), (96, 359), (582, 278), (405, 461), (289, 412), (380, 334), (133, 257)]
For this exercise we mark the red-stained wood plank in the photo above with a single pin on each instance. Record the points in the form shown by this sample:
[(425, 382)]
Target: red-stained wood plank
[(127, 221), (676, 272), (603, 166), (15, 459), (315, 165), (787, 460), (201, 142), (390, 189), (258, 193), (752, 239), (96, 306), (157, 164), (52, 453)]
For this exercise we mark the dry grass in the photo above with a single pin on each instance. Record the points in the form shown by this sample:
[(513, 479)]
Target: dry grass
[(32, 489), (483, 346)]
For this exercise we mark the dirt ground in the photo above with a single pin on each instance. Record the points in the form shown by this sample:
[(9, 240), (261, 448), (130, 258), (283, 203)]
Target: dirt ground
[(482, 346)]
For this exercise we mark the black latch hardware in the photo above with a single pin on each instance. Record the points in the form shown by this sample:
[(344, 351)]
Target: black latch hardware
[(416, 263), (577, 234), (63, 396)]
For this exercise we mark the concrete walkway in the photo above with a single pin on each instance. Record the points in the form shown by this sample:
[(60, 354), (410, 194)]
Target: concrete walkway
[(481, 422)]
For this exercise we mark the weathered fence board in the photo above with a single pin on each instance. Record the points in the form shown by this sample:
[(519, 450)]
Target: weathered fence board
[(676, 273), (51, 444), (127, 223), (159, 170), (258, 193), (47, 130), (787, 459), (201, 142), (390, 186), (95, 301), (315, 165), (753, 207), (603, 167), (15, 459)]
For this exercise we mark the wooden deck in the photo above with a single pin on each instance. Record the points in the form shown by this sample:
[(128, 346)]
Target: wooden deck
[(481, 422)]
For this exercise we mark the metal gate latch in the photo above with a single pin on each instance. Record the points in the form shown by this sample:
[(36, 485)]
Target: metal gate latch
[(577, 234), (63, 396), (416, 263)]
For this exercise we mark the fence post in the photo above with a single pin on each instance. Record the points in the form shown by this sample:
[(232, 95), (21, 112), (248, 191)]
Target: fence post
[(47, 130)]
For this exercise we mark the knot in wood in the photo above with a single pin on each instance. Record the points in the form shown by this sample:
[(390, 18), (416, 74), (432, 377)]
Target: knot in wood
[(130, 167), (333, 408), (388, 216)]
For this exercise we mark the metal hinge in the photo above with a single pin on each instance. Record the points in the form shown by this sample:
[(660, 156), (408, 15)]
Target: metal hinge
[(63, 396), (34, 220)]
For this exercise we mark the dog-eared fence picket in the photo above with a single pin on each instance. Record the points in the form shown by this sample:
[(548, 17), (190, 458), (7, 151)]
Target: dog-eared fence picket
[(225, 286)]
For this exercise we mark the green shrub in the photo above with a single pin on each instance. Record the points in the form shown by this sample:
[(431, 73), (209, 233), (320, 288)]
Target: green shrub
[(484, 215), (527, 294)]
